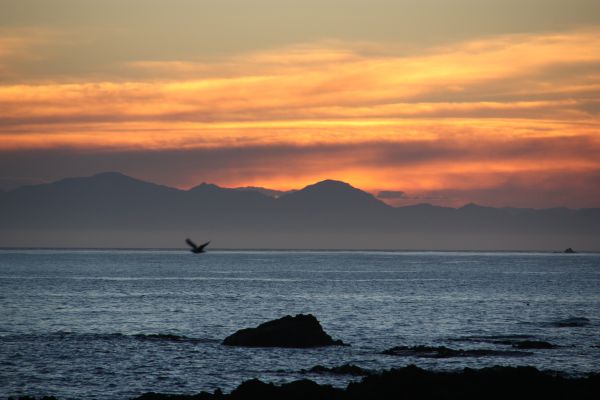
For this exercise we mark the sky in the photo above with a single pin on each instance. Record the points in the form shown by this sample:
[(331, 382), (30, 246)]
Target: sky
[(448, 102)]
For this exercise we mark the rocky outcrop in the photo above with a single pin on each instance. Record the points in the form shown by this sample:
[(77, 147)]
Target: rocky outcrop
[(411, 382), (533, 344), (524, 342), (574, 322), (346, 369), (300, 331), (445, 352)]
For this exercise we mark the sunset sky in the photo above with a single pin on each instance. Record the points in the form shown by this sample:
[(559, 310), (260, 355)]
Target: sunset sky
[(447, 102)]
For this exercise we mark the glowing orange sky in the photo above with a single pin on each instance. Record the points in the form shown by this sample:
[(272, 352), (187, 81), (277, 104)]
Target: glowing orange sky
[(504, 119)]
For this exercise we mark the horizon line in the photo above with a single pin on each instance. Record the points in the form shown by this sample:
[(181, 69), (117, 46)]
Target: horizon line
[(299, 250)]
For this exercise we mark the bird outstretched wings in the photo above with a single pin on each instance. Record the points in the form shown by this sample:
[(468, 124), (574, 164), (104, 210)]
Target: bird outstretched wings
[(195, 248)]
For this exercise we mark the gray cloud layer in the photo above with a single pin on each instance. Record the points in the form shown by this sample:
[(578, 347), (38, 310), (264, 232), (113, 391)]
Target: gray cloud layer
[(100, 35)]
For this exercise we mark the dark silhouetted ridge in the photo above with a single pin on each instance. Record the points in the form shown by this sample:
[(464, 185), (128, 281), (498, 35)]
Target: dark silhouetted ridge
[(206, 187), (104, 200), (329, 214), (210, 189), (330, 192), (107, 181), (215, 196), (266, 191)]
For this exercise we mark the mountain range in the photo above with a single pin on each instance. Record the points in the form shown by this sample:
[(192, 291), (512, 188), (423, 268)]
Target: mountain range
[(114, 210)]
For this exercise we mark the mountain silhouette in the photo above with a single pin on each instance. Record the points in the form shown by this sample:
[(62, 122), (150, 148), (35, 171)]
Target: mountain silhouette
[(331, 204), (331, 194), (112, 209), (103, 200)]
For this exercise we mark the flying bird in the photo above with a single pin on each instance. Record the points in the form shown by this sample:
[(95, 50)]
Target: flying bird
[(195, 248)]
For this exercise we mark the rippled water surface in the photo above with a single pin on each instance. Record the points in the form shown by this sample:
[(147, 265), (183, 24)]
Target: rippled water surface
[(94, 324)]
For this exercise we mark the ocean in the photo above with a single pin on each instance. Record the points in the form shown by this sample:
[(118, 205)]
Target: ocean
[(113, 324)]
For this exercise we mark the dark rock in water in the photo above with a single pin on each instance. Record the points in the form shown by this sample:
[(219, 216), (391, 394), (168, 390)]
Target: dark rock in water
[(517, 341), (569, 251), (170, 338), (487, 383), (217, 395), (346, 369), (299, 331), (445, 352), (160, 336), (501, 339), (496, 383), (297, 390), (33, 398), (571, 322), (533, 344)]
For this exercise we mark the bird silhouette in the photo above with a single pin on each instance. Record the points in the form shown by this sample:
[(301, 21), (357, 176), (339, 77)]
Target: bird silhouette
[(195, 248)]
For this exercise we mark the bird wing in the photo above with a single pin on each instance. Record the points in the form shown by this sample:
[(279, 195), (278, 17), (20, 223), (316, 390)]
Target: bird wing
[(192, 244), (202, 246)]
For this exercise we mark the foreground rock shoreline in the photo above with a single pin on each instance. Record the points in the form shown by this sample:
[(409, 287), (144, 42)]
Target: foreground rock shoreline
[(411, 382), (414, 383)]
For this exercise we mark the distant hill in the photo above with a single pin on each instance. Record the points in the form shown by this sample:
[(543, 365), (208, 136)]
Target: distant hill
[(115, 210)]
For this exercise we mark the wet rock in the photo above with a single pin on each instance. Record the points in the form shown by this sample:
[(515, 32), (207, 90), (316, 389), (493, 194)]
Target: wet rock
[(491, 338), (217, 395), (346, 369), (161, 337), (533, 344), (524, 342), (411, 382), (496, 339), (33, 398), (445, 352), (300, 331), (487, 383), (574, 322), (297, 390)]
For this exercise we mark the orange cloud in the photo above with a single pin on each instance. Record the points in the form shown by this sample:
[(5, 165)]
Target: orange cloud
[(330, 83)]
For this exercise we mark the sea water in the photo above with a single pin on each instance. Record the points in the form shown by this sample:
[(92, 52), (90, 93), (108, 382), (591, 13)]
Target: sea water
[(112, 324)]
